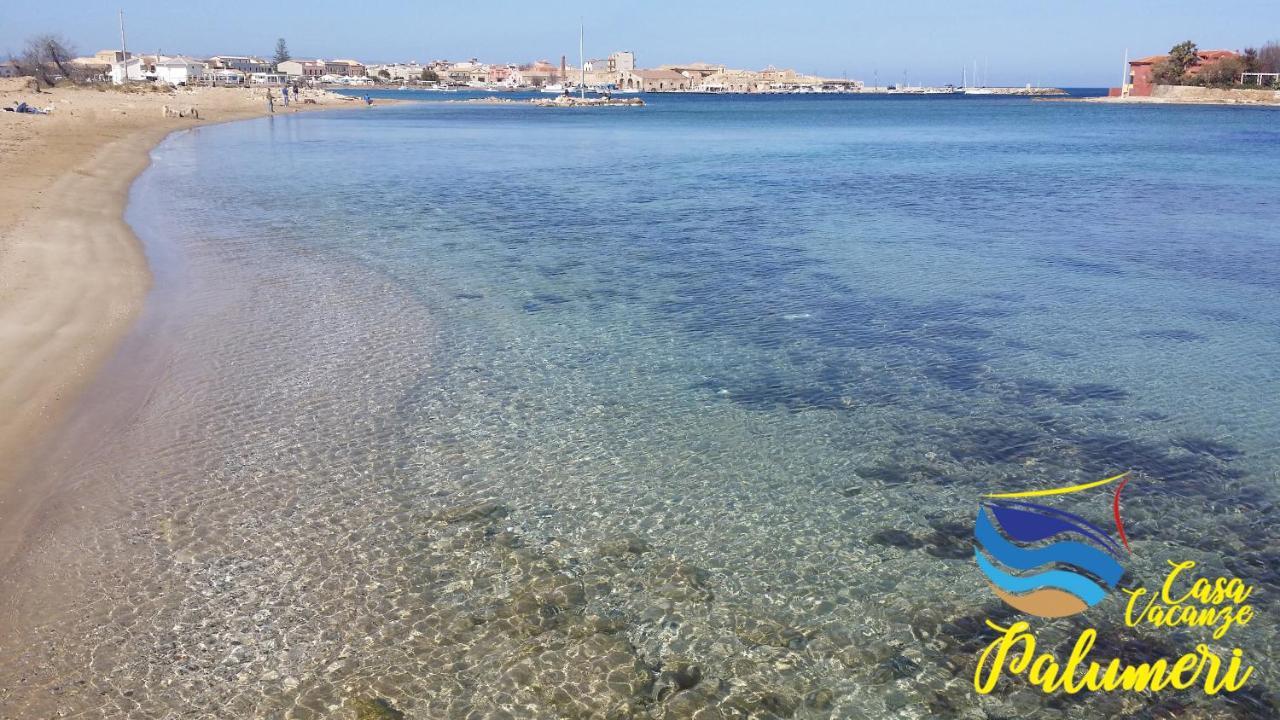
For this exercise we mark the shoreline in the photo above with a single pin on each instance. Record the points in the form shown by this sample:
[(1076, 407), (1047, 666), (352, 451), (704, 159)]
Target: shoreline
[(73, 275)]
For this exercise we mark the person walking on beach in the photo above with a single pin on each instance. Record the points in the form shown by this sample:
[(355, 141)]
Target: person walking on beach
[(271, 102), (284, 93), (295, 92)]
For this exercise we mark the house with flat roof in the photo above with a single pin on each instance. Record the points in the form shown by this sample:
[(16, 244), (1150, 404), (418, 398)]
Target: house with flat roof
[(243, 63), (180, 70), (305, 69), (346, 68)]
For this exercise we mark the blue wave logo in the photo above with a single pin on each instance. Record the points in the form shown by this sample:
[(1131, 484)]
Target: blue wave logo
[(1068, 575)]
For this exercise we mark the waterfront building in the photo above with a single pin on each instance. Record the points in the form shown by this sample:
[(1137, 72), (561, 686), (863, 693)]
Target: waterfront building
[(304, 69), (1142, 71), (622, 61), (472, 71), (127, 70), (345, 68), (653, 81), (399, 72), (226, 76), (243, 63), (268, 78), (179, 70), (696, 72), (539, 73)]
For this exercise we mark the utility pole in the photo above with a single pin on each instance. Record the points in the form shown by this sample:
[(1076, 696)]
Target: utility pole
[(124, 48)]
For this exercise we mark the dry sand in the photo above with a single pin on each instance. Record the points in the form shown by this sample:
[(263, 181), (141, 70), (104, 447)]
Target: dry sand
[(72, 274)]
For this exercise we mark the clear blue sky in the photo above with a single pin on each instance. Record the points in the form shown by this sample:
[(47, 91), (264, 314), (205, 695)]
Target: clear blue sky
[(1076, 43)]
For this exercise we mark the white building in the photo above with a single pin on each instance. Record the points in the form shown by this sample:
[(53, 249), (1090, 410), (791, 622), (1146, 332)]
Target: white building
[(180, 70), (397, 71), (243, 63), (131, 70), (226, 77), (266, 78)]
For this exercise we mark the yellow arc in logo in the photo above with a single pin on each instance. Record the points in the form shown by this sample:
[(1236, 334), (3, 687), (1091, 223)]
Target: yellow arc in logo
[(1058, 491)]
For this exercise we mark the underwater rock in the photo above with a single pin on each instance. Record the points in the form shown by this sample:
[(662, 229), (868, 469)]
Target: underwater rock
[(820, 699), (763, 631), (620, 547), (700, 702), (678, 580), (768, 703), (488, 510), (950, 540), (894, 537), (676, 676), (599, 676), (376, 708)]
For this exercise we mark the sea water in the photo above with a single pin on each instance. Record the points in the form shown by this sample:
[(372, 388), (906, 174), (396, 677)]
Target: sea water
[(500, 411)]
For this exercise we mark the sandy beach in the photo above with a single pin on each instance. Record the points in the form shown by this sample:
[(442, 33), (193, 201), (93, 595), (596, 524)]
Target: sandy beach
[(72, 274)]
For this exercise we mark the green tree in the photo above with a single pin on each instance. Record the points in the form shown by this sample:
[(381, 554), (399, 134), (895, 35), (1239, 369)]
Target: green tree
[(1220, 73), (282, 52), (1250, 58), (384, 74), (1183, 55), (429, 75), (1173, 69)]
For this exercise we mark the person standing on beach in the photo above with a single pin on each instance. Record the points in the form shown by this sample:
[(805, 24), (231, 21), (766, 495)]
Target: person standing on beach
[(271, 102), (284, 93), (295, 92)]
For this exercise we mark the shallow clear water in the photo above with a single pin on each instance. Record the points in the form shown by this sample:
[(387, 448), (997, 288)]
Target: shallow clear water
[(521, 412)]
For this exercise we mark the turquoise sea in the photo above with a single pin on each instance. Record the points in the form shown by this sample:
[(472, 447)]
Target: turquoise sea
[(465, 410)]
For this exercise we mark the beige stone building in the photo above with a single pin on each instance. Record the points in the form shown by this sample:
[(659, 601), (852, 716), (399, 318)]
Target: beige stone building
[(696, 72), (653, 81)]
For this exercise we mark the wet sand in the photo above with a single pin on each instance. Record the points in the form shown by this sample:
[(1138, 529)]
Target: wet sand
[(72, 274)]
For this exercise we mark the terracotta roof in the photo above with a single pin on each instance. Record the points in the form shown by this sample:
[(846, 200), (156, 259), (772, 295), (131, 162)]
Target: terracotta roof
[(1201, 55)]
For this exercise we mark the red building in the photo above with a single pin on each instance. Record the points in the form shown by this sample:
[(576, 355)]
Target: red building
[(1141, 71)]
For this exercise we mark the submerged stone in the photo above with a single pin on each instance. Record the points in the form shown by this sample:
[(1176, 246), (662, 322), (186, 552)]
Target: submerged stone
[(376, 708), (473, 513), (894, 537)]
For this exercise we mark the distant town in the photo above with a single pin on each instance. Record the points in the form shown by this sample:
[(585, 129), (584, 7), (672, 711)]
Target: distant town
[(617, 73)]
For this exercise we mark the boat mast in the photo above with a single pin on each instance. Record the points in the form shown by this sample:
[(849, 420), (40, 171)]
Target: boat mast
[(582, 65), (1124, 77)]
